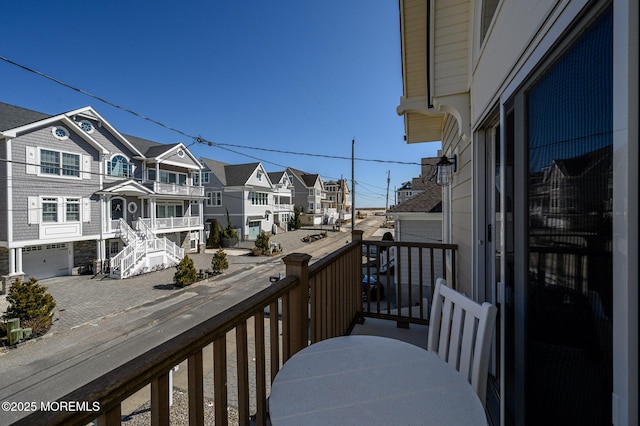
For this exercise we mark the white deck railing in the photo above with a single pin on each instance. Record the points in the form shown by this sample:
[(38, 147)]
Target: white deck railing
[(175, 189)]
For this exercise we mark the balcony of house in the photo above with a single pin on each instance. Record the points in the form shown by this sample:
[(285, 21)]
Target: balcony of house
[(185, 190), (365, 287), (171, 224), (165, 224)]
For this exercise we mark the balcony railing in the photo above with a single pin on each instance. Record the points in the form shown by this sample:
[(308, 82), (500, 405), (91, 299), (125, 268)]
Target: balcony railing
[(310, 304), (173, 222), (175, 189)]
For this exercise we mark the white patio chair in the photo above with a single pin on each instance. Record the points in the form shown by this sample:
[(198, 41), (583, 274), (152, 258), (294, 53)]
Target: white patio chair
[(460, 332)]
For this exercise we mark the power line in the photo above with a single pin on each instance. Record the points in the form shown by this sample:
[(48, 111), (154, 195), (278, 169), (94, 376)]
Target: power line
[(198, 139)]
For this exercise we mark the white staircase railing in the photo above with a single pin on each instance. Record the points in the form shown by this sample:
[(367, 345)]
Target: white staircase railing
[(144, 228), (139, 244), (127, 234)]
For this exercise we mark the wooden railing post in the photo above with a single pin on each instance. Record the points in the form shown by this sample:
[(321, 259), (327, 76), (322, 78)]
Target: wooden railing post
[(356, 235), (298, 266)]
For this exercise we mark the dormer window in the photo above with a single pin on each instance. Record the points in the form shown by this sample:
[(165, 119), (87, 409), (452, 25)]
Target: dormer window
[(119, 167), (86, 126)]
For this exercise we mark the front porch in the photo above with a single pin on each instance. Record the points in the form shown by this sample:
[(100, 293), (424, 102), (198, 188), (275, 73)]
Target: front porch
[(246, 344)]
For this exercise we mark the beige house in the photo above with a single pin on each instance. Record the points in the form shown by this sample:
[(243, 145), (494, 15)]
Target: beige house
[(536, 103)]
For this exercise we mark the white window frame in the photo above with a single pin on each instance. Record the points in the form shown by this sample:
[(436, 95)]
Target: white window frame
[(54, 132), (69, 202), (60, 167), (46, 202), (130, 167), (90, 127), (259, 198), (167, 206), (61, 210), (214, 198), (177, 175)]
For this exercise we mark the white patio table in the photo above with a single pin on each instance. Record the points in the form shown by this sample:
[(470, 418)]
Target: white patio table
[(369, 380)]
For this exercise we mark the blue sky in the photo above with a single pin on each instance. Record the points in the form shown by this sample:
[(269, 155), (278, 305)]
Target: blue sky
[(299, 76)]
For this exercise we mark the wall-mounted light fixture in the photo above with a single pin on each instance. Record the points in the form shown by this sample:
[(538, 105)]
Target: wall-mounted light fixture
[(446, 168)]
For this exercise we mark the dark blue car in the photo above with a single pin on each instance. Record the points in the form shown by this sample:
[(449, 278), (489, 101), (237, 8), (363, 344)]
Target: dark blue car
[(373, 285)]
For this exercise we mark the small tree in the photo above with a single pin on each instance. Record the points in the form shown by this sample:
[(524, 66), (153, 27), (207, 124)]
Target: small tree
[(214, 234), (219, 261), (262, 242), (295, 222), (229, 231), (185, 272), (29, 300)]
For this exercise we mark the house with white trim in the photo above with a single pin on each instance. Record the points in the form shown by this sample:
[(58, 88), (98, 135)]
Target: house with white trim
[(78, 193), (254, 203), (309, 195), (337, 205)]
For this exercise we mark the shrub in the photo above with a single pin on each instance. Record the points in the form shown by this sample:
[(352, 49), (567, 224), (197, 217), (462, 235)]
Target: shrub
[(38, 326), (295, 222), (229, 232), (262, 242), (219, 261), (29, 300), (214, 234), (185, 272)]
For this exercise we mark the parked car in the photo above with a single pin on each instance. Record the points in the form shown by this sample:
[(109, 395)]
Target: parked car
[(370, 286)]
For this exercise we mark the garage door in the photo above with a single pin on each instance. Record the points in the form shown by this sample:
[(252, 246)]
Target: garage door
[(254, 230), (45, 261)]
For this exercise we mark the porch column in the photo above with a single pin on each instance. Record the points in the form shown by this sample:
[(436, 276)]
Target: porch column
[(12, 261), (297, 265), (19, 261), (152, 212)]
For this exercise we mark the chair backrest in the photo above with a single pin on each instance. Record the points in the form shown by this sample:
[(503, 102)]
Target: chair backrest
[(460, 332)]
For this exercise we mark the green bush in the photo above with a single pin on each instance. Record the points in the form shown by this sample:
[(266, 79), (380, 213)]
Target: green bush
[(295, 222), (219, 261), (185, 272), (229, 232), (262, 242), (29, 300), (214, 234)]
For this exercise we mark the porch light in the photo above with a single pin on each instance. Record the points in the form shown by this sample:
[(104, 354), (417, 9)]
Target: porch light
[(446, 168)]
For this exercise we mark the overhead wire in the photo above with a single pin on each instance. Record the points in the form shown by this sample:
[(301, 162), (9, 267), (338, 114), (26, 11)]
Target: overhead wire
[(199, 139)]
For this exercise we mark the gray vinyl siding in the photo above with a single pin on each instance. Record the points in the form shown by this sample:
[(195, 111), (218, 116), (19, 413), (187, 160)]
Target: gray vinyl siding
[(114, 146), (3, 192), (26, 185), (231, 200), (187, 161)]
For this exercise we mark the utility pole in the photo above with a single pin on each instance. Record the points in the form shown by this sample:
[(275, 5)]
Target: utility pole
[(388, 182), (353, 186)]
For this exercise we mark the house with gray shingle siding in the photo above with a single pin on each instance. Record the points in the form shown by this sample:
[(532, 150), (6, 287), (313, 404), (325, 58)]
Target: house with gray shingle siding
[(78, 192), (308, 195), (254, 202)]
